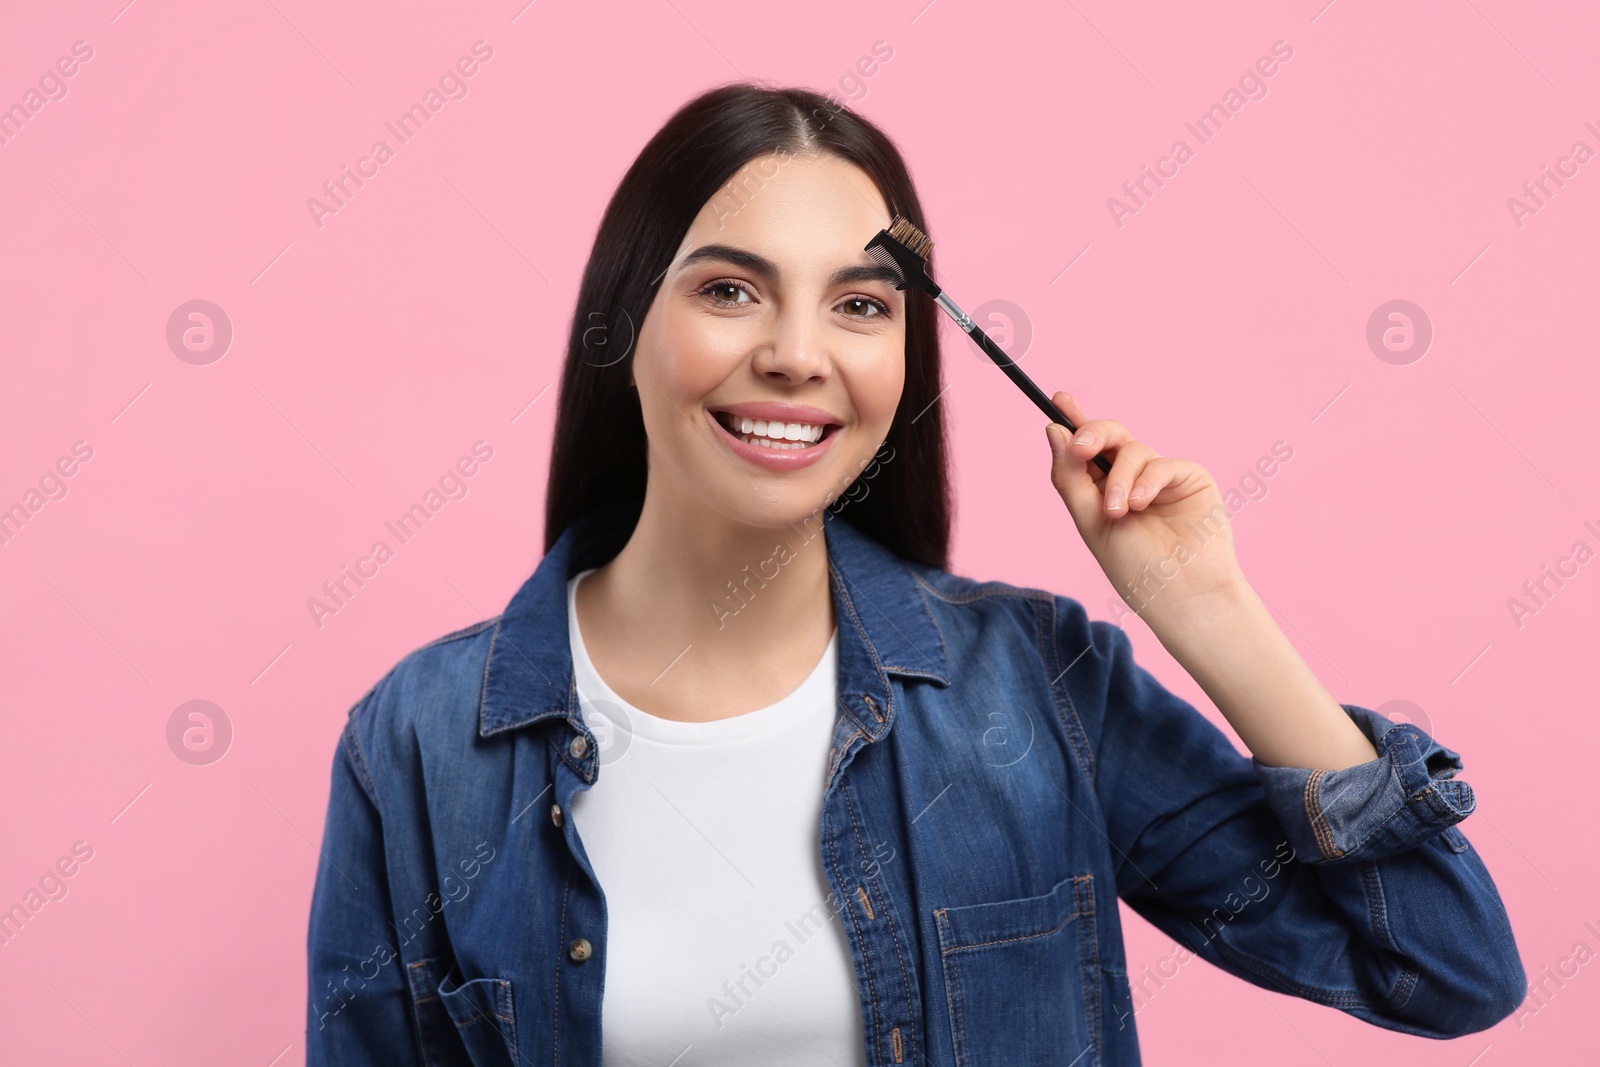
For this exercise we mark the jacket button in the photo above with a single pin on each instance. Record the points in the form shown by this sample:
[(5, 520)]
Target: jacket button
[(579, 747), (555, 814), (580, 950)]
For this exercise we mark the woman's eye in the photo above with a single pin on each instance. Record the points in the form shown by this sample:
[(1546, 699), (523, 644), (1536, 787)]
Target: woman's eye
[(865, 307), (726, 292), (719, 292)]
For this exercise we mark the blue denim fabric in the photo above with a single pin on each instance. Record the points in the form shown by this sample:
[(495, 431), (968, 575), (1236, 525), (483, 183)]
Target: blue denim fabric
[(1001, 772)]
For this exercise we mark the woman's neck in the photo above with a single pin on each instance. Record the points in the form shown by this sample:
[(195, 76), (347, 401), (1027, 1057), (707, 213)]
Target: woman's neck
[(701, 617)]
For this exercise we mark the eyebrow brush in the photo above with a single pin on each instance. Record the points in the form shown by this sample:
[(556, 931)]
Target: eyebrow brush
[(904, 248)]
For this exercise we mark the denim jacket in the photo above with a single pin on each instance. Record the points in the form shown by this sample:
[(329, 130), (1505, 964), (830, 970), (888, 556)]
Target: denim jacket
[(1001, 773)]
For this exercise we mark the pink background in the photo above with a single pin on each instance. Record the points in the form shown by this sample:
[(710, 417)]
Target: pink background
[(1227, 314)]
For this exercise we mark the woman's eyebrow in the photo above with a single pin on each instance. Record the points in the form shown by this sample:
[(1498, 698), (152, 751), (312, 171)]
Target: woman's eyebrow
[(763, 266), (873, 273)]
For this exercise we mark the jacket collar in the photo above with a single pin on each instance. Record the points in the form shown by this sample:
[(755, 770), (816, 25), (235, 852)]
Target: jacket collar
[(884, 626)]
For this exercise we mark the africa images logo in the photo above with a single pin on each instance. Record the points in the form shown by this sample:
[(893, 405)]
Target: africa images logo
[(452, 85)]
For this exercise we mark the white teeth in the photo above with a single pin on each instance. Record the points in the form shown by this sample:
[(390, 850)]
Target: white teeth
[(774, 434)]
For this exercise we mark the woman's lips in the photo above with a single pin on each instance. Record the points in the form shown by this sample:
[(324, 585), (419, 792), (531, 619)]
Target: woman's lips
[(786, 457)]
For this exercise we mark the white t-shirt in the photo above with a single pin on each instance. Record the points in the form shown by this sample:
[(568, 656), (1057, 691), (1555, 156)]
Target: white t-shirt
[(722, 945)]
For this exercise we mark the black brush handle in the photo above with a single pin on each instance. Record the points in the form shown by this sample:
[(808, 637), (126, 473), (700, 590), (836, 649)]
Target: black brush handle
[(911, 267), (1025, 383)]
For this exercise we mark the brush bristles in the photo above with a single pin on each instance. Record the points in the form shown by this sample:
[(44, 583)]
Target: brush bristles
[(902, 230)]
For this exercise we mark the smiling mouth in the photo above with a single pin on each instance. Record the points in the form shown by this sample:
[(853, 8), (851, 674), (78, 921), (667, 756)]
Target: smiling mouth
[(783, 436)]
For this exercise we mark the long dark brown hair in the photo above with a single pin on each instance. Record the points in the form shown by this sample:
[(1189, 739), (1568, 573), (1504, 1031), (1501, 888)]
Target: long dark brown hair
[(598, 459)]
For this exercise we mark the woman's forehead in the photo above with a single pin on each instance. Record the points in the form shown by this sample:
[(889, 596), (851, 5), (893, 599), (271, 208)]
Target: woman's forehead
[(816, 210)]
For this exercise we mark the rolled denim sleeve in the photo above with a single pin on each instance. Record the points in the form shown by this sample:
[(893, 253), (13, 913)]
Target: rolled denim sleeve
[(1374, 809), (1350, 888)]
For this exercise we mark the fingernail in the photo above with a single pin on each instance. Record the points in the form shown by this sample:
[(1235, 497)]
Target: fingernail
[(1138, 493), (1085, 438), (1114, 498)]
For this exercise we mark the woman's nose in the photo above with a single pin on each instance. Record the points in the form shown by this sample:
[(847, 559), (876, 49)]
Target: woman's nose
[(796, 350)]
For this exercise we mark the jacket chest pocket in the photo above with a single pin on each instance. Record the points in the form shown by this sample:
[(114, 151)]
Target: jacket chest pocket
[(1021, 978), (462, 1022)]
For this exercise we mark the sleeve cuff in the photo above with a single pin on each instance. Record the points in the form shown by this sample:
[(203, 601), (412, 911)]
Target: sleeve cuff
[(1374, 809)]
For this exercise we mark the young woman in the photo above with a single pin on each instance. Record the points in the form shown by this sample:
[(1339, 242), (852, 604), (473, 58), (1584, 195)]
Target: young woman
[(744, 775)]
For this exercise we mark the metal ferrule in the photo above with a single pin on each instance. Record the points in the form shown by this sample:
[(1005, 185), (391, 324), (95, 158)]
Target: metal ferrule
[(944, 301)]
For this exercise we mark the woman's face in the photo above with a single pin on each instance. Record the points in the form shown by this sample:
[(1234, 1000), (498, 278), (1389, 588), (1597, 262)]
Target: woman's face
[(770, 363)]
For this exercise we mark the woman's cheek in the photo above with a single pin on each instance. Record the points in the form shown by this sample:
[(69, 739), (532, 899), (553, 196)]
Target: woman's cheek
[(883, 385), (699, 354)]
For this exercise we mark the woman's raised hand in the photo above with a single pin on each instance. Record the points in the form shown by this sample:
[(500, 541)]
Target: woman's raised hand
[(1157, 526)]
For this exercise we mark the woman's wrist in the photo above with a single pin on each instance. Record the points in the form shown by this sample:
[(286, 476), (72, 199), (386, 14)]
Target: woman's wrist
[(1196, 611), (1229, 644)]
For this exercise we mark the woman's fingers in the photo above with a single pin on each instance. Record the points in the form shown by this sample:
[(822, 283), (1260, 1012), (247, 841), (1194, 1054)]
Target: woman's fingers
[(1082, 485), (1138, 472), (1157, 475), (1069, 407), (1133, 457), (1071, 474), (1093, 436), (1100, 435)]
